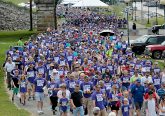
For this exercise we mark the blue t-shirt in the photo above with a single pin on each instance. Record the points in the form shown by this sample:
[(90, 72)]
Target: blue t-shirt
[(125, 110), (97, 96), (86, 86), (138, 92), (39, 84), (63, 102)]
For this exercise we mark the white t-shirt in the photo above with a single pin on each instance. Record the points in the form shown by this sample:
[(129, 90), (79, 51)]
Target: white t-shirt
[(9, 66), (163, 77), (59, 94), (151, 108), (144, 79), (160, 113)]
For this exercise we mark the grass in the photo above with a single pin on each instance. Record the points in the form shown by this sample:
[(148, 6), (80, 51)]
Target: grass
[(115, 9), (16, 1), (7, 108), (152, 21)]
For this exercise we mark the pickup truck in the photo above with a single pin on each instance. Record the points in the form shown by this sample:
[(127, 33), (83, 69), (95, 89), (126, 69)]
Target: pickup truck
[(138, 45), (155, 51)]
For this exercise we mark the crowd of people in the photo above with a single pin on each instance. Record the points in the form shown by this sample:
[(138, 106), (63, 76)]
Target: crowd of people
[(84, 73)]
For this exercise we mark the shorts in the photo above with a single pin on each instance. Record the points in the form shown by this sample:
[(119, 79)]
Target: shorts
[(138, 105), (39, 96), (114, 107), (66, 110), (29, 85), (15, 90)]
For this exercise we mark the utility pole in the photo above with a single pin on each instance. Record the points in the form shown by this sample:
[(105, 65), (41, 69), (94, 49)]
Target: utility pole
[(31, 16)]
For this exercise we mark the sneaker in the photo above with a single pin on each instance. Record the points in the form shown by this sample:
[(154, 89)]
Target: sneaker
[(38, 111), (12, 99), (54, 113), (20, 100), (42, 112), (29, 98), (135, 113)]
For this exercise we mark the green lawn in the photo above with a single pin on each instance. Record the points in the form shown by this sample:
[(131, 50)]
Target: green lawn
[(16, 1), (7, 108), (153, 21)]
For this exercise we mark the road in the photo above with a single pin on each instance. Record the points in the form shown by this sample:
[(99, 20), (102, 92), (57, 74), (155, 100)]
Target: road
[(145, 8)]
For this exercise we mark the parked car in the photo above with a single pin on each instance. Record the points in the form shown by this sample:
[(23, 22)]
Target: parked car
[(155, 28), (155, 51), (138, 45)]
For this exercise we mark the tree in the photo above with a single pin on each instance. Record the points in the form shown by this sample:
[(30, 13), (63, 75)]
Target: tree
[(31, 17), (55, 13)]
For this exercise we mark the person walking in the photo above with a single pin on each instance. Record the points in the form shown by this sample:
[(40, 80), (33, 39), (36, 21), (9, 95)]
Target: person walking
[(162, 107), (15, 84), (161, 91), (98, 101), (134, 28), (20, 42), (87, 88), (150, 105), (63, 103), (77, 101), (9, 66), (53, 88), (39, 84), (23, 89), (138, 93)]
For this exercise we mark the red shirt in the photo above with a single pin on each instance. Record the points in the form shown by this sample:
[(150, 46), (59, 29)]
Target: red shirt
[(146, 96)]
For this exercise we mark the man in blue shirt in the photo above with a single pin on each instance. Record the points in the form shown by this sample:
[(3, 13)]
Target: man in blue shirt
[(138, 93), (161, 91)]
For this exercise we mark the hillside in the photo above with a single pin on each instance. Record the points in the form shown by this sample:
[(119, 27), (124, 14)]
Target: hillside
[(13, 17), (16, 1)]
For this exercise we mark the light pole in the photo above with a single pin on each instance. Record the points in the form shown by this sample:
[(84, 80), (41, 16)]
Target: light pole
[(132, 9), (163, 3), (31, 16), (141, 11), (148, 15), (156, 12), (127, 2), (135, 10)]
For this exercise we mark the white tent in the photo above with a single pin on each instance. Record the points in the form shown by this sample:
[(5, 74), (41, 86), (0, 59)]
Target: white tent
[(90, 3), (70, 1)]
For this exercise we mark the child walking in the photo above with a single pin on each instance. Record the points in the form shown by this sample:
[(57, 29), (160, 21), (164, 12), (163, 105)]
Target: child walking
[(125, 108), (150, 105), (23, 89), (15, 83), (63, 102)]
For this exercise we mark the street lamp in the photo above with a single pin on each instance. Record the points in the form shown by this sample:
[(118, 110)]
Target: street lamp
[(127, 11), (135, 10), (31, 16), (148, 15), (141, 11), (156, 12), (163, 3), (132, 9)]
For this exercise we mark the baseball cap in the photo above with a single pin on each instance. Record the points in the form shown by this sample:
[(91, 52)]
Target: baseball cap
[(138, 80), (125, 99), (61, 76), (55, 71)]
